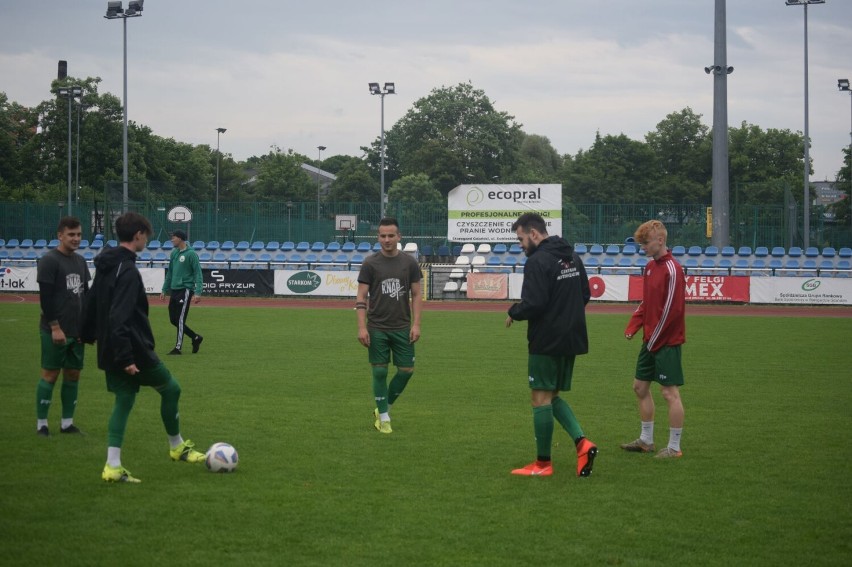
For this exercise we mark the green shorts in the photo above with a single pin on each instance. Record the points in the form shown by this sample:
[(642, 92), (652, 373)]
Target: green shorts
[(56, 357), (383, 343), (662, 366), (118, 381), (551, 373)]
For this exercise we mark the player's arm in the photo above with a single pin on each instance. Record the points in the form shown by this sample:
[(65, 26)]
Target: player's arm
[(534, 295), (361, 311), (416, 309), (122, 305), (636, 321), (46, 293)]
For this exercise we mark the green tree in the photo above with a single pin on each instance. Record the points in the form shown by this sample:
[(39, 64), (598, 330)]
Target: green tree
[(281, 178), (763, 163), (538, 161), (413, 189), (683, 156), (354, 184)]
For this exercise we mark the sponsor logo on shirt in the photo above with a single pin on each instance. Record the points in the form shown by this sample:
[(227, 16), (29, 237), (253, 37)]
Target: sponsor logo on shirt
[(392, 287)]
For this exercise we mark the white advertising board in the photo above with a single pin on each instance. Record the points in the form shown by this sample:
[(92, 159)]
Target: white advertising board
[(801, 291), (485, 213), (603, 288), (316, 283)]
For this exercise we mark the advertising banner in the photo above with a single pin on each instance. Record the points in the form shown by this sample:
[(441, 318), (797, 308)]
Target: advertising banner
[(152, 279), (704, 288), (485, 213), (13, 278), (316, 283), (603, 288), (802, 291), (482, 285), (237, 283)]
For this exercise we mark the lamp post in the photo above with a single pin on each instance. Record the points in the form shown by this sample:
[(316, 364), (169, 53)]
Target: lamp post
[(389, 88), (115, 12), (319, 161), (71, 93), (77, 167), (807, 170), (843, 86), (219, 132)]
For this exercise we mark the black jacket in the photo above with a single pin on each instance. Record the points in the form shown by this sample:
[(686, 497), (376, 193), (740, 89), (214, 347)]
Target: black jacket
[(553, 300), (117, 313)]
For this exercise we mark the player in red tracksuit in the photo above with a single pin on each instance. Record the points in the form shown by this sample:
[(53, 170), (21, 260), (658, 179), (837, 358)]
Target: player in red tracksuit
[(661, 318)]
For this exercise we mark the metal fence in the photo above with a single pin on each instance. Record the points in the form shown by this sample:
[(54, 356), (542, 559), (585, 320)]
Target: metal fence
[(750, 225)]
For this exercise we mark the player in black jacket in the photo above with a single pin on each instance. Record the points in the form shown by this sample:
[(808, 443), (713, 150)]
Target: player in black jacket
[(553, 301), (117, 317)]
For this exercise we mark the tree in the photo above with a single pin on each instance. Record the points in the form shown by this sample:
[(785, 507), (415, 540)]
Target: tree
[(841, 209), (416, 188), (354, 184), (538, 161), (683, 156), (453, 135), (281, 178)]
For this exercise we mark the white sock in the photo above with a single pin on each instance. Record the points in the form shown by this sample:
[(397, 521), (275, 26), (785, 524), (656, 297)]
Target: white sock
[(175, 440), (67, 422), (384, 416), (647, 436), (674, 438), (41, 423), (114, 456)]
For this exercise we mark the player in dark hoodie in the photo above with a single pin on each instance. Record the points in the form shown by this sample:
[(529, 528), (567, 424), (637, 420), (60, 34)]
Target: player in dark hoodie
[(117, 317), (553, 301)]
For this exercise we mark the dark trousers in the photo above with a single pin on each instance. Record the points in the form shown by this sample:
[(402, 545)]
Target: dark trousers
[(178, 312)]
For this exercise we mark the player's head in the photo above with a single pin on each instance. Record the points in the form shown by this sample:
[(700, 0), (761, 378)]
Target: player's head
[(133, 228), (530, 229), (389, 236), (69, 232), (651, 236)]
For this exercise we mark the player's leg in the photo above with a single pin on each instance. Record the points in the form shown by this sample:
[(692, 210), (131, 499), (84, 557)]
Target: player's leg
[(670, 377), (645, 373), (586, 450), (70, 384), (541, 370), (51, 363), (124, 389), (403, 358), (176, 305), (187, 301), (379, 357), (165, 384)]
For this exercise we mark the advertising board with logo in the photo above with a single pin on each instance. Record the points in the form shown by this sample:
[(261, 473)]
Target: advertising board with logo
[(704, 288), (483, 285), (317, 283), (237, 282), (802, 291), (485, 213)]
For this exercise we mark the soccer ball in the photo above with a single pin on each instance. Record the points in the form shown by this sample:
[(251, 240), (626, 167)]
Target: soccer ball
[(222, 457)]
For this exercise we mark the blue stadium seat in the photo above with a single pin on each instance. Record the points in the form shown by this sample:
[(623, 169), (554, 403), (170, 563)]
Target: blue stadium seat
[(303, 246), (377, 246), (761, 252), (443, 251), (612, 250), (826, 268), (366, 247), (96, 244), (288, 246), (333, 247), (501, 248), (775, 264), (493, 263), (26, 243), (159, 257), (711, 251), (594, 250), (198, 245), (279, 258), (53, 244), (205, 256), (845, 252), (342, 258), (812, 252), (356, 261), (227, 246), (791, 267), (12, 243), (515, 248), (40, 243), (2, 243), (348, 247), (707, 267), (592, 264), (694, 251), (809, 268), (273, 246), (311, 258), (778, 252), (167, 245), (242, 246), (829, 252), (744, 251), (629, 250), (691, 264), (220, 258), (740, 267), (510, 261), (580, 249), (678, 251), (154, 244), (145, 257), (427, 250), (794, 252), (843, 265), (624, 266), (264, 257), (257, 246), (640, 262), (726, 264), (234, 257), (324, 261), (728, 251), (213, 245), (317, 246)]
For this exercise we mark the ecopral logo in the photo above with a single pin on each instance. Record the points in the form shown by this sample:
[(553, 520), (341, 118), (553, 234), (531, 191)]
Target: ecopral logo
[(810, 285), (304, 282), (474, 196)]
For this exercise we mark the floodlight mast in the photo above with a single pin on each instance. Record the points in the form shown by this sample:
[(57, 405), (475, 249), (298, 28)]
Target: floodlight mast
[(389, 88)]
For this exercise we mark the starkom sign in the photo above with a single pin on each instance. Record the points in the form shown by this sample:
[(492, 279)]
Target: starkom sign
[(485, 213)]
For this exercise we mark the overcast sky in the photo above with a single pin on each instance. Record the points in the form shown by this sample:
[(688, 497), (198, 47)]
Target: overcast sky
[(294, 73)]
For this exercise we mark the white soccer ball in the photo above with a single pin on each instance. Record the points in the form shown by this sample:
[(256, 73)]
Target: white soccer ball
[(222, 457)]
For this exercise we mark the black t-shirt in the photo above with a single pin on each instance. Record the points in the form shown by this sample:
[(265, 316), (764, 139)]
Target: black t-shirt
[(390, 282), (69, 277)]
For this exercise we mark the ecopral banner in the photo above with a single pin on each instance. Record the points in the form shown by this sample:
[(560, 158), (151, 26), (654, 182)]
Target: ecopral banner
[(704, 288), (316, 283), (485, 213), (483, 285), (237, 283), (802, 291)]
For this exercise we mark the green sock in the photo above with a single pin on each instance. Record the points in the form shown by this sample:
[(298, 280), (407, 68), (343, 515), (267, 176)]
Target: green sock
[(397, 385), (563, 414), (118, 420), (44, 395), (380, 387), (543, 426), (68, 393), (169, 397)]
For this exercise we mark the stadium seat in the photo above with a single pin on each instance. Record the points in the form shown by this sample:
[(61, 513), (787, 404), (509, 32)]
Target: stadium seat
[(364, 247), (273, 246), (707, 267), (26, 243), (612, 250), (628, 250), (167, 245), (462, 261), (744, 252), (458, 273), (468, 249), (451, 287), (234, 258), (845, 253), (592, 264), (510, 261), (727, 251), (288, 246), (443, 252), (212, 245), (378, 246), (794, 252), (145, 258), (456, 250), (96, 244), (410, 248), (227, 246), (12, 243), (691, 265), (829, 252), (711, 251), (256, 246), (356, 260), (493, 264), (154, 244), (812, 252), (332, 247), (678, 251), (303, 247), (53, 244), (220, 259), (198, 245), (477, 262), (160, 258), (580, 249), (791, 267), (624, 266), (279, 258), (842, 268), (809, 268), (775, 265), (242, 246), (640, 262), (205, 256), (324, 262), (348, 247), (725, 265), (596, 250), (265, 258), (463, 288), (427, 250), (515, 248), (2, 243), (761, 252), (826, 268), (483, 249), (499, 249), (318, 246), (40, 243), (694, 251), (741, 267), (778, 252), (341, 261)]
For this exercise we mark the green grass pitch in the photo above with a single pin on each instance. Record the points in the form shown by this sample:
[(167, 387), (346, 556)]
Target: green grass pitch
[(765, 478)]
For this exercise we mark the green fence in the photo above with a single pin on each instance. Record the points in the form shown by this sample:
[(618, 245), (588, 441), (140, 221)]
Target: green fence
[(769, 225)]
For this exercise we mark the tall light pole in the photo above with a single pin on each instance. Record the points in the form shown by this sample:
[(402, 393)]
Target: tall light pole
[(115, 12), (319, 161), (71, 93), (219, 132), (389, 88), (843, 86), (77, 167), (807, 170)]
